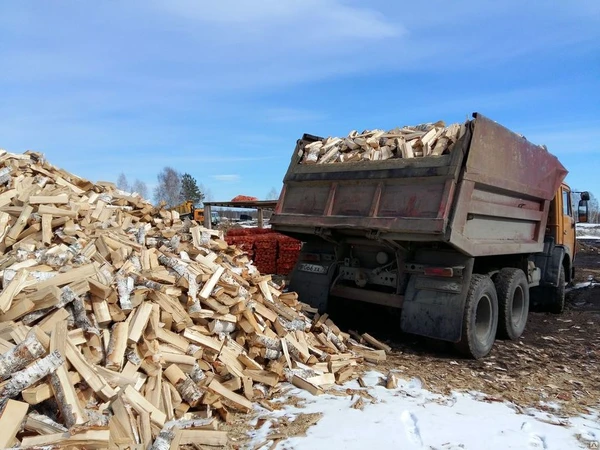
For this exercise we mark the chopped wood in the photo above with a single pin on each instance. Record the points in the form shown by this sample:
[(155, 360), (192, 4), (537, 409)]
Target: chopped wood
[(64, 392), (19, 226), (375, 343), (61, 199), (203, 437), (64, 278), (90, 439), (262, 376), (14, 287), (322, 380), (40, 424), (139, 403), (236, 400), (344, 374), (189, 391), (43, 391), (211, 283), (302, 383), (10, 421), (21, 355), (391, 381), (91, 377), (140, 321), (369, 354), (29, 376)]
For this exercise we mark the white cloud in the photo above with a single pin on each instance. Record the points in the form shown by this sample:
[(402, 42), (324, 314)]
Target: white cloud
[(234, 178), (330, 18)]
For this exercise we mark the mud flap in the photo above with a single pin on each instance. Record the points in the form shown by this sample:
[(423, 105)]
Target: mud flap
[(431, 310), (312, 288)]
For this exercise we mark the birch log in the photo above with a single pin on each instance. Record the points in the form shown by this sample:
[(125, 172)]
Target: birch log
[(20, 356), (29, 376)]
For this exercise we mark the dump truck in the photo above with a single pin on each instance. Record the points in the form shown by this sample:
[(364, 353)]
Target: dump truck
[(187, 209), (460, 243)]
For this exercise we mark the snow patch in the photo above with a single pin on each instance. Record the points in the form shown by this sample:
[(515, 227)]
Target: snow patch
[(410, 417), (588, 231)]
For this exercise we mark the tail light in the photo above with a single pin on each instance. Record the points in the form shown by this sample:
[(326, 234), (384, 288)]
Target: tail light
[(447, 272), (314, 257)]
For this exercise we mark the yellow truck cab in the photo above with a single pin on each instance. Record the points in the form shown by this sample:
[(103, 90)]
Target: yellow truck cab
[(187, 209), (561, 225)]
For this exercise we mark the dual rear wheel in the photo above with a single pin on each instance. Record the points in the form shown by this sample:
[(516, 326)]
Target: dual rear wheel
[(494, 308)]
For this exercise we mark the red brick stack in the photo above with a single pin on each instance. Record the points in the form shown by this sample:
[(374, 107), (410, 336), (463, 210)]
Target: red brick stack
[(272, 253), (265, 253), (289, 249)]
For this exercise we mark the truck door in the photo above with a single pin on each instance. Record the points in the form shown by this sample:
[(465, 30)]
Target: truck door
[(567, 222)]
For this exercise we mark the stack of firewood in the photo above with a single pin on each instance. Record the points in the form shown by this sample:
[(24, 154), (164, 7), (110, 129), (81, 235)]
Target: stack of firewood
[(122, 326), (432, 139)]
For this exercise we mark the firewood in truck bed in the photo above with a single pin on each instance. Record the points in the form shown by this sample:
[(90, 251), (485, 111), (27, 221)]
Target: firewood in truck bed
[(424, 140)]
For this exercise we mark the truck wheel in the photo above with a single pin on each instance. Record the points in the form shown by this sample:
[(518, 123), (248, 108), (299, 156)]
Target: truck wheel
[(480, 318), (512, 289), (556, 295)]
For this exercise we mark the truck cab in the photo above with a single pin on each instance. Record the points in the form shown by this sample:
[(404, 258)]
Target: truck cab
[(562, 219), (561, 227)]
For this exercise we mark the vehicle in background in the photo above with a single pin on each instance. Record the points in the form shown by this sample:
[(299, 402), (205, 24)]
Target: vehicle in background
[(187, 209)]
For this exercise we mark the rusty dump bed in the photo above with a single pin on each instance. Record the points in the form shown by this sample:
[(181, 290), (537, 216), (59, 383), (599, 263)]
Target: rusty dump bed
[(490, 196)]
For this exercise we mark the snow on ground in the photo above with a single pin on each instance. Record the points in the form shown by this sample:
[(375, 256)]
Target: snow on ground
[(588, 231), (584, 285), (411, 417)]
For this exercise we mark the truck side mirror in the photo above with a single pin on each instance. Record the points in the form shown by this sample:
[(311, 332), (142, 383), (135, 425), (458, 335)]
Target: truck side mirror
[(585, 196), (582, 211)]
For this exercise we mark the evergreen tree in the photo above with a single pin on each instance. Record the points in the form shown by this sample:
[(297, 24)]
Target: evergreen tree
[(190, 190)]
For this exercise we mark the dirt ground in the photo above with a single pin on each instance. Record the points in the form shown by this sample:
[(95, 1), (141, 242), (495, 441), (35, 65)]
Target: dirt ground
[(555, 363)]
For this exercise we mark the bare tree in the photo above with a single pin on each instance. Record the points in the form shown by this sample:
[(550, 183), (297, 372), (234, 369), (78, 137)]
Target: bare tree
[(122, 182), (208, 196), (273, 194), (140, 187), (169, 187)]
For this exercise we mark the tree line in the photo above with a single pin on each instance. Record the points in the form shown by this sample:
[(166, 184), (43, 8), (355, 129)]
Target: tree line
[(137, 186), (174, 188)]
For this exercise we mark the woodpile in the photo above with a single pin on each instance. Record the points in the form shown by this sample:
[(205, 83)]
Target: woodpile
[(431, 139), (122, 326)]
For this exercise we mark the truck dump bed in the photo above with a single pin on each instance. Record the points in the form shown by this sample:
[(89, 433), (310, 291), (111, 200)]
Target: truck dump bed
[(489, 196)]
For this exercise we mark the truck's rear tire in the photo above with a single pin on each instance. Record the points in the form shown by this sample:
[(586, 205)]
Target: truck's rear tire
[(556, 295), (480, 319), (512, 289)]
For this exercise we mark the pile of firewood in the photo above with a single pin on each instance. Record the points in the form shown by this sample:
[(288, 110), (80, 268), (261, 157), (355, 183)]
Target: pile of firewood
[(432, 139), (122, 326)]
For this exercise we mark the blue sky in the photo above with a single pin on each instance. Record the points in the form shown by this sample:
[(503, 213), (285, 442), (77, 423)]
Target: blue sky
[(223, 89)]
